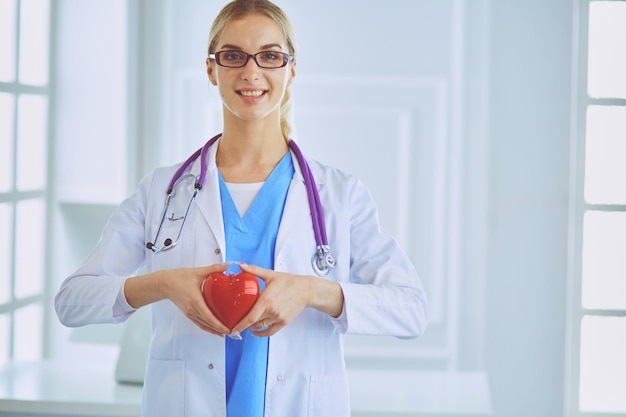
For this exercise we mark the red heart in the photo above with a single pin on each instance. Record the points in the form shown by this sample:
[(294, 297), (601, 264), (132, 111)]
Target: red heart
[(230, 297)]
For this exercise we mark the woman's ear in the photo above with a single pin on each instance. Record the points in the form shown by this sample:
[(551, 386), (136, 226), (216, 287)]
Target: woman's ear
[(210, 71), (292, 72)]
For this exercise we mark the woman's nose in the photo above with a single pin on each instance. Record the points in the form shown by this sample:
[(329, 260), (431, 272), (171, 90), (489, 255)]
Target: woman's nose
[(251, 71)]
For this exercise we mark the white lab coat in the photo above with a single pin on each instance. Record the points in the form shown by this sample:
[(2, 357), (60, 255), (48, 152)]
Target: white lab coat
[(306, 376)]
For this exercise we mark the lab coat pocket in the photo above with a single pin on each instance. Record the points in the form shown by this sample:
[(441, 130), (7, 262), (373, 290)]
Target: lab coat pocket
[(328, 396), (164, 389)]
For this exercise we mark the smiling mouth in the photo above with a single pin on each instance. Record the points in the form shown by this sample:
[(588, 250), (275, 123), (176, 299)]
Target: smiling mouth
[(251, 93)]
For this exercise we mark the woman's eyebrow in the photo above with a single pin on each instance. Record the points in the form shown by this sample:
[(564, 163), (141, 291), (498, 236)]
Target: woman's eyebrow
[(264, 47), (272, 45)]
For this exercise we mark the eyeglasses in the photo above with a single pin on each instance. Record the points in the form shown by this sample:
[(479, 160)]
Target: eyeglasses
[(238, 59)]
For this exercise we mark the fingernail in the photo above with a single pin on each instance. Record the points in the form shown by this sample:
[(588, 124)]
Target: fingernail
[(242, 264), (235, 336)]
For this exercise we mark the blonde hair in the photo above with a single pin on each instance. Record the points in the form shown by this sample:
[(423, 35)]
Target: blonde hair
[(241, 8)]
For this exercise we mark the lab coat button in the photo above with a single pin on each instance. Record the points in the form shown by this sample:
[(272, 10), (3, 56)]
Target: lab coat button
[(211, 366), (280, 378), (218, 251)]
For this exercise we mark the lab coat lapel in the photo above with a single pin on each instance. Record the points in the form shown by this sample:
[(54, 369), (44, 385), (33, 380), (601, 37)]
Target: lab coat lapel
[(208, 200), (297, 213)]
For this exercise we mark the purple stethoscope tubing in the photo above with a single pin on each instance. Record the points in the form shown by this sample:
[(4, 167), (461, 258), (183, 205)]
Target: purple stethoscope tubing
[(323, 260), (317, 211), (203, 165)]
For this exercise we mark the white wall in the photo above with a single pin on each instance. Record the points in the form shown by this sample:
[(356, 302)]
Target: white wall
[(529, 140)]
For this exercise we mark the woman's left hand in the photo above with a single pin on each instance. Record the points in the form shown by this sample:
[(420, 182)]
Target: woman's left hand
[(284, 297)]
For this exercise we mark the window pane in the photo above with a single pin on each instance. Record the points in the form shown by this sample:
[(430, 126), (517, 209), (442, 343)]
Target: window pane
[(8, 18), (607, 60), (7, 106), (604, 260), (34, 41), (28, 343), (603, 364), (605, 153), (29, 247), (31, 142), (6, 252), (5, 335)]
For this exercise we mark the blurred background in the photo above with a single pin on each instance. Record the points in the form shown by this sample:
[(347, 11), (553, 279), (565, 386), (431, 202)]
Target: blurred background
[(492, 134)]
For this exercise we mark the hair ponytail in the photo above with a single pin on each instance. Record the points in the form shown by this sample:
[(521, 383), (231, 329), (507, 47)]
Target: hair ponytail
[(286, 115)]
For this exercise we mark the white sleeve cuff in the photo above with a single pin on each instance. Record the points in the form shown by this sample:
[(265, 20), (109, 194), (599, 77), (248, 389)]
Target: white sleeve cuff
[(341, 322), (121, 309)]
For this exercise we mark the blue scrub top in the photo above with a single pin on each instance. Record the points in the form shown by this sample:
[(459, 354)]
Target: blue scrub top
[(252, 239)]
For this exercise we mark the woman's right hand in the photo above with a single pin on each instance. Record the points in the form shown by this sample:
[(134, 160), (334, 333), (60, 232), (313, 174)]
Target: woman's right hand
[(182, 287)]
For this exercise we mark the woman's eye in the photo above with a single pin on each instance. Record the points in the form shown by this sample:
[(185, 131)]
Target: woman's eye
[(270, 56), (233, 56)]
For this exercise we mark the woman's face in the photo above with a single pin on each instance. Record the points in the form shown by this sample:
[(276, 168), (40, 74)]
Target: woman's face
[(251, 92)]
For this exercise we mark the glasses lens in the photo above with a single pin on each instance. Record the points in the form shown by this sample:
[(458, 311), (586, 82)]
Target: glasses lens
[(231, 58), (270, 59)]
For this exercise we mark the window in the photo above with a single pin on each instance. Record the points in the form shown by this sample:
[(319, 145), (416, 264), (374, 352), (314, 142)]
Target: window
[(24, 94), (598, 363)]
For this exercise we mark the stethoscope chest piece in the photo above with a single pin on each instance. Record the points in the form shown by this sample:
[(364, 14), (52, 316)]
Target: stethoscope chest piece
[(323, 260)]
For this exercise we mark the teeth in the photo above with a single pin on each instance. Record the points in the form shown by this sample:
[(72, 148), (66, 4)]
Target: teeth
[(255, 93)]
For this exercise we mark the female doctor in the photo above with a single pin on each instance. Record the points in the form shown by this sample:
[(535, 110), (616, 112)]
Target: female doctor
[(285, 358)]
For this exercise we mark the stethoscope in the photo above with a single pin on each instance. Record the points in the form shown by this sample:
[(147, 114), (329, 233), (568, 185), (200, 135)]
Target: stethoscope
[(323, 260)]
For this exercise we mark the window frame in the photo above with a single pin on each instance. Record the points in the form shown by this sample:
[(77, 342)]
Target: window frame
[(12, 197), (581, 101)]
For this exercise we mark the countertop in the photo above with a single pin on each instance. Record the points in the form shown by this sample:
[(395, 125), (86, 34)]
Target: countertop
[(49, 388)]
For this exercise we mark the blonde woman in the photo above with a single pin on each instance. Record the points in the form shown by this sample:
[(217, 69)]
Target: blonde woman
[(255, 211)]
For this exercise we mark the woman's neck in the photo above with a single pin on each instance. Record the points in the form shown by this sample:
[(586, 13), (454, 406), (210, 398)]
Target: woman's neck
[(249, 155)]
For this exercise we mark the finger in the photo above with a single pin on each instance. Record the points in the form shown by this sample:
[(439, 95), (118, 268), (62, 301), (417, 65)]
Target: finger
[(215, 328), (257, 271), (271, 330), (261, 324), (206, 316), (253, 317), (206, 327), (207, 270), (203, 311)]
